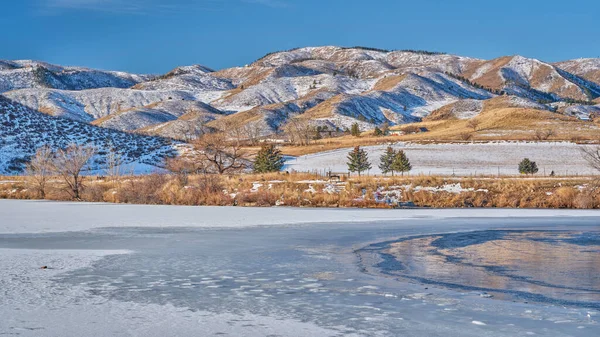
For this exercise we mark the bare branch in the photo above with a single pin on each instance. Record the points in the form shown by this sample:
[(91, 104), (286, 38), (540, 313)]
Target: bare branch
[(220, 154), (69, 163), (592, 156), (39, 169)]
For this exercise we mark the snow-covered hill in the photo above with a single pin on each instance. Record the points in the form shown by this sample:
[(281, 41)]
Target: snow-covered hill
[(191, 78), (88, 105), (588, 68), (329, 86), (470, 108), (33, 74), (531, 78), (23, 131)]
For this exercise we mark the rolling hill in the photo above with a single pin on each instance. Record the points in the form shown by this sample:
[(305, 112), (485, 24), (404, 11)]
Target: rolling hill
[(23, 131), (329, 86)]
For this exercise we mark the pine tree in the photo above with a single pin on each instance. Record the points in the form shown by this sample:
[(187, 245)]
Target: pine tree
[(527, 166), (401, 162), (268, 159), (358, 161), (377, 132), (355, 131), (387, 160)]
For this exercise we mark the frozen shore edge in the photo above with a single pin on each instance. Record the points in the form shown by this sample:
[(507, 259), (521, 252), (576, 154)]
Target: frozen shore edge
[(29, 216)]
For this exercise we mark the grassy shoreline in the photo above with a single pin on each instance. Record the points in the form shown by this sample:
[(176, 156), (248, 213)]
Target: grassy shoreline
[(310, 190)]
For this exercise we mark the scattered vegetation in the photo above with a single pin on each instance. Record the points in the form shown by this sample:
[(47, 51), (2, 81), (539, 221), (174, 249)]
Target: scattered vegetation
[(268, 159), (394, 161), (310, 190), (355, 130), (358, 161), (527, 166)]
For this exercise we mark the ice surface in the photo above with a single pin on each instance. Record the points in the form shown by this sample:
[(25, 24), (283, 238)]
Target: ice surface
[(28, 216), (217, 272)]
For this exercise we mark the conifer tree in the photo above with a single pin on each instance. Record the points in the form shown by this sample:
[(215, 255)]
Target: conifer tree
[(355, 131), (358, 160), (527, 166), (377, 132), (268, 159), (387, 161), (401, 162)]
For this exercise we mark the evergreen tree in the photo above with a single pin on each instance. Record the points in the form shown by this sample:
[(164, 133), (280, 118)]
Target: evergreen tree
[(268, 159), (355, 131), (527, 166), (358, 161), (377, 132), (401, 162), (387, 160)]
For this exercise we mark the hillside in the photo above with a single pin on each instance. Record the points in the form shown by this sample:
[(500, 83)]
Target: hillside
[(32, 74), (329, 86), (588, 68), (23, 130), (531, 78)]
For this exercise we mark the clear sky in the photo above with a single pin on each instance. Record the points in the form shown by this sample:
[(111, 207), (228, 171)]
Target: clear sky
[(154, 36)]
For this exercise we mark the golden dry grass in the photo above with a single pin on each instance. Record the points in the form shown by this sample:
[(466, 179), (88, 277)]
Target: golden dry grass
[(309, 190), (490, 78), (389, 82)]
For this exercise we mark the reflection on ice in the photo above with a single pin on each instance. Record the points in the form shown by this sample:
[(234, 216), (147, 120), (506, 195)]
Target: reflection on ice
[(560, 267)]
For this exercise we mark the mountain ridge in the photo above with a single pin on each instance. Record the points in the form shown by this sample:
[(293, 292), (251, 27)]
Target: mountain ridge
[(326, 86)]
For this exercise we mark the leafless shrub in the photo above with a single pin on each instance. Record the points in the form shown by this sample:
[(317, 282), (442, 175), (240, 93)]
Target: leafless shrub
[(543, 134), (408, 129), (221, 156), (114, 166), (183, 166), (592, 156), (299, 131), (39, 169), (69, 164), (143, 191)]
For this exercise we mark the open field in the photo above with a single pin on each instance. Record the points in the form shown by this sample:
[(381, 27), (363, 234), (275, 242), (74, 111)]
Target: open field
[(461, 159)]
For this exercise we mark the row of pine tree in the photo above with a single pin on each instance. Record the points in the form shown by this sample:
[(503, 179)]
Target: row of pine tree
[(391, 161), (270, 159)]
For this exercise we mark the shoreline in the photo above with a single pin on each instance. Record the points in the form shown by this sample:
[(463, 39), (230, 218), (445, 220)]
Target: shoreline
[(29, 216)]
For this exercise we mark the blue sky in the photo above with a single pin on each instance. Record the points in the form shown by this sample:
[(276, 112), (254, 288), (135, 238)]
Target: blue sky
[(154, 36)]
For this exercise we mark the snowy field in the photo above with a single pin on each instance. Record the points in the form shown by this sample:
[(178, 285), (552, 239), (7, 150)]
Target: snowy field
[(122, 270), (563, 158)]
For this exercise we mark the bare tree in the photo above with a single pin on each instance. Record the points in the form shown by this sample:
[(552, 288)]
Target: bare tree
[(233, 129), (69, 164), (184, 165), (221, 155), (190, 129), (39, 169), (252, 131), (299, 131), (592, 156), (114, 165), (543, 134)]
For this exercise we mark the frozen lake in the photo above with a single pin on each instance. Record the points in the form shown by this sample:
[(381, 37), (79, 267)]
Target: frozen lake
[(382, 273)]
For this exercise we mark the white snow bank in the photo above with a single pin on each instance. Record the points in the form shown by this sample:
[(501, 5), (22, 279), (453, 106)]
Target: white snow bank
[(564, 158), (26, 216)]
